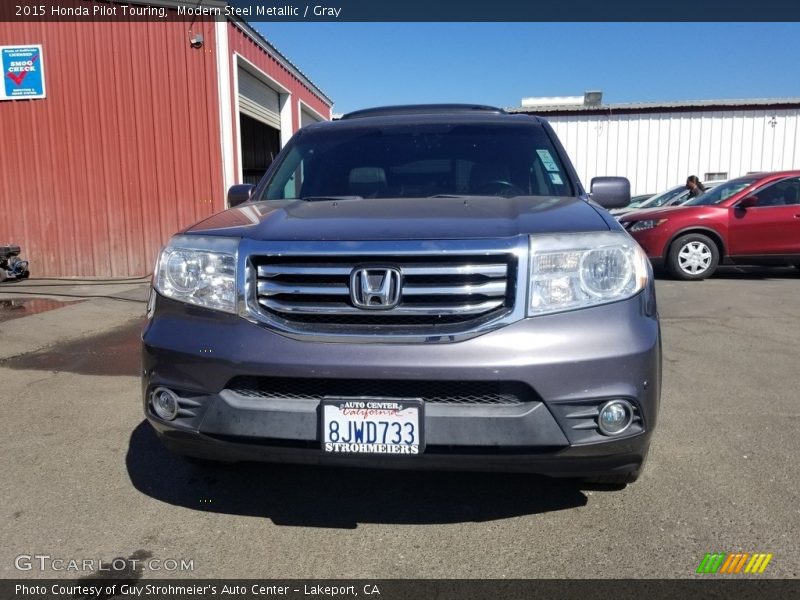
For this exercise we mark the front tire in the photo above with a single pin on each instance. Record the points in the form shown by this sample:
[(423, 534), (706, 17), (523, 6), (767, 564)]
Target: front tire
[(693, 257)]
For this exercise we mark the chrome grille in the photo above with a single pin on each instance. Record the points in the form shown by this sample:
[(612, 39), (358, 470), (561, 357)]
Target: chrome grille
[(454, 292)]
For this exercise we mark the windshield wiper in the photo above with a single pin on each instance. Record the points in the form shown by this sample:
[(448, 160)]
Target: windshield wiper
[(322, 198)]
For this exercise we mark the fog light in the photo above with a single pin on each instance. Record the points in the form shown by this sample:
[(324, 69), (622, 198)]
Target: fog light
[(165, 403), (615, 417)]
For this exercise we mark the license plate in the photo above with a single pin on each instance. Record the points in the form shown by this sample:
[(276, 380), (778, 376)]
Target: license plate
[(372, 426)]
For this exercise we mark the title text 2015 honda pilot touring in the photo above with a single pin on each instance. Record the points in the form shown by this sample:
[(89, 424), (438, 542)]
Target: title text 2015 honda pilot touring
[(410, 287)]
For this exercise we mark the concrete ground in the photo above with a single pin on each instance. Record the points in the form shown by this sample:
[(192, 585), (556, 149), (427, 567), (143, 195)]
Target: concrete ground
[(83, 476)]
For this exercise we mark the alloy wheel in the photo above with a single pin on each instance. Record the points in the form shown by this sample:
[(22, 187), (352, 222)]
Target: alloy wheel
[(694, 258)]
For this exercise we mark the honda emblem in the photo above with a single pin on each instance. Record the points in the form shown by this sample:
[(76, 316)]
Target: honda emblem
[(375, 288)]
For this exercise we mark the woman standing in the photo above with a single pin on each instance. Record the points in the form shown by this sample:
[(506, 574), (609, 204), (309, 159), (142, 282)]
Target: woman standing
[(695, 186)]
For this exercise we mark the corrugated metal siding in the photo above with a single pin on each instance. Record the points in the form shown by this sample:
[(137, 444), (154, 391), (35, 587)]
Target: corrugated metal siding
[(122, 153), (659, 150)]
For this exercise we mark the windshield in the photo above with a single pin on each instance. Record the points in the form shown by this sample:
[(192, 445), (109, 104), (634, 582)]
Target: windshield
[(664, 197), (722, 192), (638, 200), (419, 160)]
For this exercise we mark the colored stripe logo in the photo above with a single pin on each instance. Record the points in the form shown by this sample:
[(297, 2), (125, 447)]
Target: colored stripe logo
[(734, 563)]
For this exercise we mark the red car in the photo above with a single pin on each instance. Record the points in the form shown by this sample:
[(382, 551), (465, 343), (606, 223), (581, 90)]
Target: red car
[(752, 220)]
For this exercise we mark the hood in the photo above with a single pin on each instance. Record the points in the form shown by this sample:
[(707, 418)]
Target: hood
[(403, 218), (663, 213), (618, 212)]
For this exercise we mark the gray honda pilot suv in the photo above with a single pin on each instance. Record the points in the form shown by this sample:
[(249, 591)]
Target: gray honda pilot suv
[(410, 287)]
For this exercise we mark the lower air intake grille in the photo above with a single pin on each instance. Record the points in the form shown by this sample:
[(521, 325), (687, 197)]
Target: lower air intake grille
[(434, 392)]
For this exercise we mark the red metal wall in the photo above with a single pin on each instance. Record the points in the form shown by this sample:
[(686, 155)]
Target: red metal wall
[(123, 152)]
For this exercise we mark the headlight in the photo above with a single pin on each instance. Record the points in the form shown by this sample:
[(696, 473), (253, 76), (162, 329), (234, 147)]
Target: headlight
[(199, 270), (572, 271), (648, 224)]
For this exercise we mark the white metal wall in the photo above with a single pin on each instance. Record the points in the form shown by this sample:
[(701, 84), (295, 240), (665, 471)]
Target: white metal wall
[(659, 150)]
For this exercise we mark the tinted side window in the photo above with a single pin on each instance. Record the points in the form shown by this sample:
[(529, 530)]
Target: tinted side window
[(782, 193), (291, 177)]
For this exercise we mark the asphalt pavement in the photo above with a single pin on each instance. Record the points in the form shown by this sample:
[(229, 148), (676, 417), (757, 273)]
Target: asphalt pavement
[(84, 478)]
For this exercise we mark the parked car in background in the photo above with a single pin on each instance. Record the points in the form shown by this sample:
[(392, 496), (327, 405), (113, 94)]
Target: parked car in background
[(661, 198), (637, 201), (752, 220), (672, 197)]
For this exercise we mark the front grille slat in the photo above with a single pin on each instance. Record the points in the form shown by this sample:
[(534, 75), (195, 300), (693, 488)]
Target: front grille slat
[(489, 270), (498, 270), (494, 288), (340, 308), (271, 288), (276, 270), (440, 293)]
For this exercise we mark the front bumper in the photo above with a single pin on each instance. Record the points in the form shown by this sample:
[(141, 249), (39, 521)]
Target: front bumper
[(653, 242), (568, 362)]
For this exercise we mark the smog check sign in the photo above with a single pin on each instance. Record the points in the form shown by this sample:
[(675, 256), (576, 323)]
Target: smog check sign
[(23, 72)]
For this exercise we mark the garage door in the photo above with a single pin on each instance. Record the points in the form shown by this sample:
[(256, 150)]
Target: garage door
[(306, 118), (258, 100)]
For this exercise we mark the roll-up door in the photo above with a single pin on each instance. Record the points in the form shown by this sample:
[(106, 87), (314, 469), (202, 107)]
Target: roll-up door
[(258, 100), (306, 118)]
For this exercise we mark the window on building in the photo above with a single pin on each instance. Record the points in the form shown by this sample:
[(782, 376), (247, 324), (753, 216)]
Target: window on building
[(715, 177)]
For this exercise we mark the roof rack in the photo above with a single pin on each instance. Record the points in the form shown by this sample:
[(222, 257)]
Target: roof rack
[(423, 109)]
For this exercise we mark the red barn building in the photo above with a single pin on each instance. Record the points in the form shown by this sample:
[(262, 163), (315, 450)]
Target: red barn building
[(140, 133)]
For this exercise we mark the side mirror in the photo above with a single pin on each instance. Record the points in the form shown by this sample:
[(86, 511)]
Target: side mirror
[(611, 192), (748, 202), (239, 194)]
